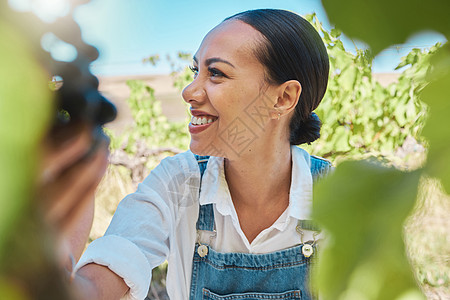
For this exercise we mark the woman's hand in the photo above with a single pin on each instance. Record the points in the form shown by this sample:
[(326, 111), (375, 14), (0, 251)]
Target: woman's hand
[(71, 169)]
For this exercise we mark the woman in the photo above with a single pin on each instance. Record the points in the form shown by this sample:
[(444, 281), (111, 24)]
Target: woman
[(258, 76)]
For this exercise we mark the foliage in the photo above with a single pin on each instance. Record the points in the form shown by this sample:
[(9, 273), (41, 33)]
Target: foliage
[(377, 199), (384, 22), (365, 257), (23, 123), (153, 59), (437, 129), (359, 115), (150, 125), (427, 239), (27, 263), (181, 73), (182, 78)]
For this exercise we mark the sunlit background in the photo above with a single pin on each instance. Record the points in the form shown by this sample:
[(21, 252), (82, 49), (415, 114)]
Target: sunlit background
[(126, 32)]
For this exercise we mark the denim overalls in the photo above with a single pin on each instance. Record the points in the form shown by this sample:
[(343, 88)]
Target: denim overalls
[(282, 274)]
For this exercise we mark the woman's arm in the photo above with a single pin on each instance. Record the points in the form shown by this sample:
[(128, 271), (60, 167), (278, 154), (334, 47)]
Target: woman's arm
[(97, 282), (69, 178), (139, 236), (67, 190)]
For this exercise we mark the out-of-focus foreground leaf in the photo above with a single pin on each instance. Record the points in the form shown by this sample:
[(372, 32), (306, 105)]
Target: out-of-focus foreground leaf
[(25, 103), (362, 207), (382, 23), (437, 127)]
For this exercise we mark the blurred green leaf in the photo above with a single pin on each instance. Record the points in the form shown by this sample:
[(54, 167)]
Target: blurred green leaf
[(437, 128), (382, 23), (11, 290), (362, 207), (25, 103), (152, 59)]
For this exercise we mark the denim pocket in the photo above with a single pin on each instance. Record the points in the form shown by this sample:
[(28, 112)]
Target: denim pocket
[(289, 295)]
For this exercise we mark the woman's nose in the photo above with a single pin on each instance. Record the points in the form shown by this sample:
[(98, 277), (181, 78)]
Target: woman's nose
[(194, 92)]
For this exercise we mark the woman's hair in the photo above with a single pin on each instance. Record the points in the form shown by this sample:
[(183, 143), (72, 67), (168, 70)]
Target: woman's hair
[(293, 50)]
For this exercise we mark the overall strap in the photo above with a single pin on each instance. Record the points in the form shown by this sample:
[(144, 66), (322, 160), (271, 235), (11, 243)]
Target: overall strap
[(319, 167), (202, 162), (206, 213)]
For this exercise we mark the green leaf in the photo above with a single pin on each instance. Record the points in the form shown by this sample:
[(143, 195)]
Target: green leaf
[(362, 207), (400, 114), (25, 104), (340, 139), (347, 77), (11, 290), (437, 128), (335, 33), (381, 23)]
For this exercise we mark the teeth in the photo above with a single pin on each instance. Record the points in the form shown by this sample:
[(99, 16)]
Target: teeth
[(201, 121)]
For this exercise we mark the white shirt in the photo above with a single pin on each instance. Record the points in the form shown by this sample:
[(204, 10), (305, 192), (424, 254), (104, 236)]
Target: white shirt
[(158, 223)]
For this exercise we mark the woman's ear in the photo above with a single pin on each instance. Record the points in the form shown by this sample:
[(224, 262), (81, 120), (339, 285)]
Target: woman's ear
[(288, 96)]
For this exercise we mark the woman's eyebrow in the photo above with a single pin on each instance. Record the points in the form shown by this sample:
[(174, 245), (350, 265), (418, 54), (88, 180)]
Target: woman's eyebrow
[(213, 60)]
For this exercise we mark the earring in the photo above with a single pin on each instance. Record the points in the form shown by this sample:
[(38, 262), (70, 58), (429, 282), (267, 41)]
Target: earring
[(277, 113)]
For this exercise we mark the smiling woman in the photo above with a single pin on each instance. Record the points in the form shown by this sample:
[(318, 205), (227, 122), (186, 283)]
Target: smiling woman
[(231, 215)]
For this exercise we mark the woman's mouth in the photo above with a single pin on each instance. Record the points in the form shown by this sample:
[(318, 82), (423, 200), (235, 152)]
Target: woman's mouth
[(200, 123), (202, 120)]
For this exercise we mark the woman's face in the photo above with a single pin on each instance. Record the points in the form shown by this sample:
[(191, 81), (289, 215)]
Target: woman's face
[(231, 103)]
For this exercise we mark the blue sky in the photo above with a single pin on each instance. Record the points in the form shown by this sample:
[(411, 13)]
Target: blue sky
[(126, 31)]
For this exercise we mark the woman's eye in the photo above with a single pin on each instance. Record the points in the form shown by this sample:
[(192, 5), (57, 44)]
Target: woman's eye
[(194, 70), (216, 73), (213, 72)]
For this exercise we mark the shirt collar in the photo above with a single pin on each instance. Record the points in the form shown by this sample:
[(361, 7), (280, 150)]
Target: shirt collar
[(214, 187), (300, 197)]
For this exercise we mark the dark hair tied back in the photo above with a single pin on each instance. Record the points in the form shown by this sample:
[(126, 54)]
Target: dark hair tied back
[(292, 50), (305, 131)]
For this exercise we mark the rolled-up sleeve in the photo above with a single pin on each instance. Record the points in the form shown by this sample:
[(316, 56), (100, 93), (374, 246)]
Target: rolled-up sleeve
[(114, 252), (138, 238)]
